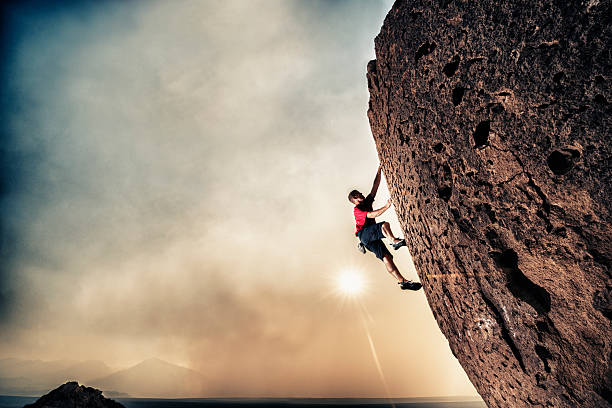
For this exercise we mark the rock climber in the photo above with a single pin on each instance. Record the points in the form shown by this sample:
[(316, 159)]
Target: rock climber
[(370, 233)]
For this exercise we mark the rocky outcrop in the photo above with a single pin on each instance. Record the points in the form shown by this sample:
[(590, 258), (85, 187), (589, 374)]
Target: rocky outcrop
[(73, 395), (492, 123)]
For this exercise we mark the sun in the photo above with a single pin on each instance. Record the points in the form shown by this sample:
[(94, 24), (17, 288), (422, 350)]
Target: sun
[(350, 282)]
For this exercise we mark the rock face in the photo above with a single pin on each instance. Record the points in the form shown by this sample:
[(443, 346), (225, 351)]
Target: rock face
[(73, 395), (492, 122)]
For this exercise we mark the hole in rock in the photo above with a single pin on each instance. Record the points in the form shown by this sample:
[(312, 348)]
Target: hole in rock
[(542, 326), (425, 49), (599, 98), (445, 193), (481, 134), (506, 259), (544, 355), (458, 93), (562, 161), (504, 94), (599, 79), (559, 162), (438, 147), (558, 77), (602, 301), (496, 107), (450, 68), (519, 284)]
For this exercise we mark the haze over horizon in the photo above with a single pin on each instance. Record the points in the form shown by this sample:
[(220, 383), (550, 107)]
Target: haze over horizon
[(174, 186)]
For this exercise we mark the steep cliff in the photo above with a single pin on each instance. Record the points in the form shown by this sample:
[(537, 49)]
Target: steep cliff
[(492, 122)]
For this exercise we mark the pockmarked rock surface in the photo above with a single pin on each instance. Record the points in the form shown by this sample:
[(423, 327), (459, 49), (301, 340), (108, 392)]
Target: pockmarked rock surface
[(492, 123), (73, 395)]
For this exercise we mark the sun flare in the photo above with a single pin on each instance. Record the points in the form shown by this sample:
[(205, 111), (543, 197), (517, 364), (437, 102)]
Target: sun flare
[(350, 283)]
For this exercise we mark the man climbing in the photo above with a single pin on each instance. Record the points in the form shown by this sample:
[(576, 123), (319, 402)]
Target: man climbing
[(370, 233)]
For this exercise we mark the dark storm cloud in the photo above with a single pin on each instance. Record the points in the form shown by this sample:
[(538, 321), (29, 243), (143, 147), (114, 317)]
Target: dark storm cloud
[(24, 187), (12, 163)]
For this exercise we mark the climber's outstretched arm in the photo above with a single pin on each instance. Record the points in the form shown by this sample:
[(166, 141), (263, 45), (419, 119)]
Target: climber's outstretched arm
[(376, 182)]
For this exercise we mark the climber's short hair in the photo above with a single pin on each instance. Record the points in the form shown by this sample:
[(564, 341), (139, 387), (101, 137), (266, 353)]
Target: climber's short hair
[(353, 194)]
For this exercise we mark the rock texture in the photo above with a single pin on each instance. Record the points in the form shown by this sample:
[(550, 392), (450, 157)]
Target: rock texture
[(73, 395), (492, 122)]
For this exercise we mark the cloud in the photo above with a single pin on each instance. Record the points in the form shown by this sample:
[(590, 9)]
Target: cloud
[(174, 185)]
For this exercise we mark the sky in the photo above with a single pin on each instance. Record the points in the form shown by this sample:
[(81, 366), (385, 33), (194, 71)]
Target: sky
[(174, 185)]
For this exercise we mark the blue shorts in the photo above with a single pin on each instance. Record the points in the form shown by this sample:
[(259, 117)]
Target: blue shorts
[(371, 236)]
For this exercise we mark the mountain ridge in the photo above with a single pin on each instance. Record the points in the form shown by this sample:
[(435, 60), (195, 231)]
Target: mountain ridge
[(151, 377)]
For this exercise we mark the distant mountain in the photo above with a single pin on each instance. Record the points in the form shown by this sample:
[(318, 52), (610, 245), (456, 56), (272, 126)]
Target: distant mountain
[(36, 377), (150, 378), (16, 367), (85, 371), (154, 378)]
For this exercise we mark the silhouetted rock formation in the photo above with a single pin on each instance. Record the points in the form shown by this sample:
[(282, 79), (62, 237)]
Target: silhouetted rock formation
[(73, 395), (492, 122)]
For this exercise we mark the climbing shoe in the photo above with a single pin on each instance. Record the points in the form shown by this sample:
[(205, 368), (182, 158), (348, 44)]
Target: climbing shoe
[(399, 244), (409, 285), (361, 248)]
